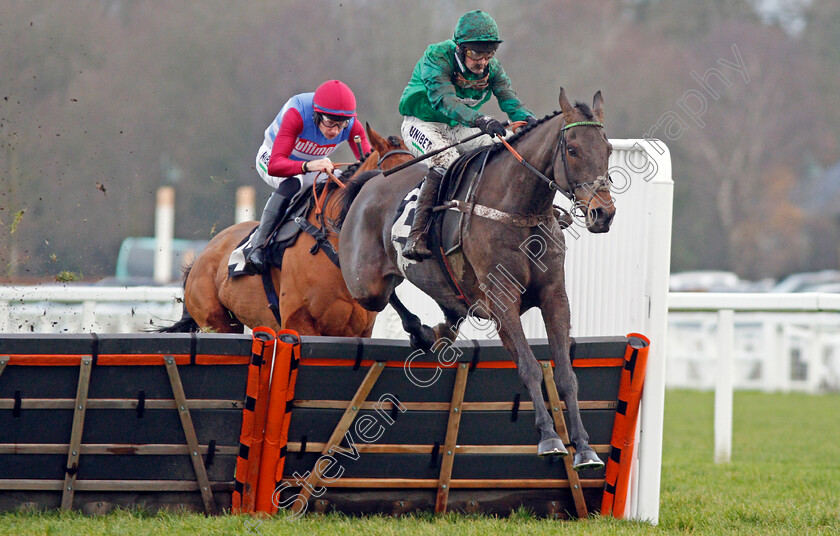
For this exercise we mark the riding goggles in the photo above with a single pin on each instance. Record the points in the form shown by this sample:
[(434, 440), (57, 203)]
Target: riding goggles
[(328, 123), (476, 55)]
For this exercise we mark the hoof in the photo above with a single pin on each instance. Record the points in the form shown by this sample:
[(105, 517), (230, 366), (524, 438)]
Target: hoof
[(424, 340), (552, 447), (445, 331), (587, 459)]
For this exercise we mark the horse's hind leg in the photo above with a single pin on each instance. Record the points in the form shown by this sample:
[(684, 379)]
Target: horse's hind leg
[(201, 300), (215, 318), (420, 335)]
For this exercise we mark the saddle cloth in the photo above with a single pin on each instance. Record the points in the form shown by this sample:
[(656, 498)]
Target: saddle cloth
[(402, 226)]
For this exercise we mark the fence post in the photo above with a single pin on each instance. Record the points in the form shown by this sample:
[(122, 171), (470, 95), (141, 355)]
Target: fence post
[(723, 386), (5, 317), (164, 234), (783, 361), (645, 498), (245, 202), (814, 357)]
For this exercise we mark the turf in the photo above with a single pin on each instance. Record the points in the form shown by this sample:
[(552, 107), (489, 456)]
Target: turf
[(784, 478)]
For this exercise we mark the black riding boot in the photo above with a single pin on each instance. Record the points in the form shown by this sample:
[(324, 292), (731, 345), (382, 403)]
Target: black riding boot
[(415, 247), (275, 208)]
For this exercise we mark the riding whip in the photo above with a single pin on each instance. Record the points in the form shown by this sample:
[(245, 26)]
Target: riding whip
[(436, 151)]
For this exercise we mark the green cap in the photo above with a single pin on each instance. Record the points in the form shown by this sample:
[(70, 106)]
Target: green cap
[(476, 26)]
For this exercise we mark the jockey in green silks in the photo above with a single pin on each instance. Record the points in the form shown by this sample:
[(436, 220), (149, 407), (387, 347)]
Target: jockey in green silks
[(441, 104)]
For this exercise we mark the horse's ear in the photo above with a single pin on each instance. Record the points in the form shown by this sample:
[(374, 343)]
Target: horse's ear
[(598, 106), (565, 105), (376, 141)]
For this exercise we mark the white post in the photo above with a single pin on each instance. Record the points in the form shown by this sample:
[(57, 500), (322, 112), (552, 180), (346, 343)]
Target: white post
[(164, 234), (814, 356), (782, 364), (723, 386), (770, 346), (652, 411), (245, 203)]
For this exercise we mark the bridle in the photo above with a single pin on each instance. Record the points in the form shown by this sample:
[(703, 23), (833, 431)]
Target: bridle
[(600, 184), (391, 153)]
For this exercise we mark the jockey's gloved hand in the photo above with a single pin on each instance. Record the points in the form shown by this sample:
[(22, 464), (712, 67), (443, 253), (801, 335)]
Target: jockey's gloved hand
[(490, 126), (531, 121)]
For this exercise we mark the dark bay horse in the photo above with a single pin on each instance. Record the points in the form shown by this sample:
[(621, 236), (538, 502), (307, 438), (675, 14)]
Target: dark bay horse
[(512, 250), (312, 295)]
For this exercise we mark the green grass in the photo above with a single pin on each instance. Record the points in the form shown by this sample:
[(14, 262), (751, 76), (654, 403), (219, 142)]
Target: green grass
[(784, 479)]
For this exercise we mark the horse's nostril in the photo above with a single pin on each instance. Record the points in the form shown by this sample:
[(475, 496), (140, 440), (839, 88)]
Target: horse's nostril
[(599, 217)]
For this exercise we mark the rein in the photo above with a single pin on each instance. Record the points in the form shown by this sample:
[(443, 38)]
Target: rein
[(551, 184), (319, 203)]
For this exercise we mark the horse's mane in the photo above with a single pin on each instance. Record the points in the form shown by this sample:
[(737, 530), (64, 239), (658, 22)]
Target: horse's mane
[(582, 107), (521, 131), (348, 194)]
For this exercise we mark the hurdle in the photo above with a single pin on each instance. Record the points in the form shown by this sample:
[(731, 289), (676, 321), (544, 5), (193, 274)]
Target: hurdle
[(91, 422), (361, 426)]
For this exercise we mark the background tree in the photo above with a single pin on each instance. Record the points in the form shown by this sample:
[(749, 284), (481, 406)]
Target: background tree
[(102, 102)]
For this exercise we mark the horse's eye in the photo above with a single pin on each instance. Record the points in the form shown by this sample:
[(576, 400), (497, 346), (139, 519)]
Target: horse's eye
[(572, 151)]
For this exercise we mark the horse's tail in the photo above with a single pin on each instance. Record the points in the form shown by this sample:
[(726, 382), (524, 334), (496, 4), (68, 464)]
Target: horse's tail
[(353, 187), (186, 324)]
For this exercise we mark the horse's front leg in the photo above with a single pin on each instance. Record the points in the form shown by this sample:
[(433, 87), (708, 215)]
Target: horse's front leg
[(555, 311), (420, 335), (514, 340)]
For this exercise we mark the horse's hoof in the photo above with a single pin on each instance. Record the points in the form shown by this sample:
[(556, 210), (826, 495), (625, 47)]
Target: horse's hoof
[(552, 447), (424, 340), (587, 459)]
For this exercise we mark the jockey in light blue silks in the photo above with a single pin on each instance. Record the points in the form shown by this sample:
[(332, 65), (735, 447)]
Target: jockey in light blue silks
[(309, 127)]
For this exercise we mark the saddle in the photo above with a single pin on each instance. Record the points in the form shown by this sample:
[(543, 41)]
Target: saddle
[(456, 183), (455, 202), (293, 223), (459, 184), (285, 235)]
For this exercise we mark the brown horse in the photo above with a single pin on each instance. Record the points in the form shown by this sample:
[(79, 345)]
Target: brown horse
[(312, 295), (511, 251)]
